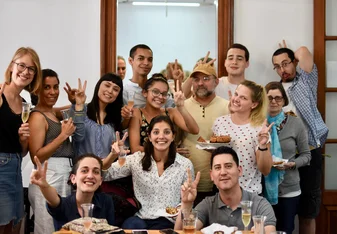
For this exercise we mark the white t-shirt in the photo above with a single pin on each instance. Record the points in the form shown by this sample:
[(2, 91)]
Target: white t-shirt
[(224, 86)]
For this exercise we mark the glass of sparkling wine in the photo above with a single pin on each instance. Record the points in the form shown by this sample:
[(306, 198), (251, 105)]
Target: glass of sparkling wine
[(25, 111), (189, 218), (246, 209), (131, 102), (122, 154), (87, 211)]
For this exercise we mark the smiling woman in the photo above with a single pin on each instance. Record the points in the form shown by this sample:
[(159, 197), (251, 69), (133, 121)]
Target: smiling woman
[(221, 21)]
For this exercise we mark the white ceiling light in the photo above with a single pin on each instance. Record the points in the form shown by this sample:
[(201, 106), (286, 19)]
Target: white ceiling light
[(181, 4)]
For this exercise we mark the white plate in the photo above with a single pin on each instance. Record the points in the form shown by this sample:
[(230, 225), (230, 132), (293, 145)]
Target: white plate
[(163, 213), (208, 145), (278, 160)]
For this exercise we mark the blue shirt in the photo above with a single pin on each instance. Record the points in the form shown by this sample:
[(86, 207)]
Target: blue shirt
[(303, 93), (91, 137), (67, 210)]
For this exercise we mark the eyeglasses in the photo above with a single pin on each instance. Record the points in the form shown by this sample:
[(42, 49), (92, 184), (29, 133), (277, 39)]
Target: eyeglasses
[(204, 79), (276, 98), (157, 93), (22, 67), (282, 65)]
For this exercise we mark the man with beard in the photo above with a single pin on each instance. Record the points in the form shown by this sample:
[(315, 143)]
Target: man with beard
[(205, 107), (301, 88)]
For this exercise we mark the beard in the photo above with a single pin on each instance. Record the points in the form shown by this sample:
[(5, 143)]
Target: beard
[(203, 92)]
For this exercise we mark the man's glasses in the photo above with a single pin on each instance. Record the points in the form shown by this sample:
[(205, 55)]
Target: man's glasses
[(282, 65), (204, 79), (22, 67), (157, 93), (276, 98)]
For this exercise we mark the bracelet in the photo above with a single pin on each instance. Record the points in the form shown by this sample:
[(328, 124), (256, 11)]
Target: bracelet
[(264, 149)]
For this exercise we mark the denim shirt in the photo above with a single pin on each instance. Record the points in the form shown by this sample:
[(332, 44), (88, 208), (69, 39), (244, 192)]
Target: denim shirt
[(89, 136), (303, 93), (67, 210)]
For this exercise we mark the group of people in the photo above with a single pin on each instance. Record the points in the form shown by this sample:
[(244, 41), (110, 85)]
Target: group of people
[(277, 122)]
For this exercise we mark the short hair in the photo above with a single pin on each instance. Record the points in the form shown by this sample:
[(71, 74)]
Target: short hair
[(35, 85), (241, 47), (77, 164), (277, 85), (120, 57), (288, 51), (225, 150), (49, 73), (139, 46)]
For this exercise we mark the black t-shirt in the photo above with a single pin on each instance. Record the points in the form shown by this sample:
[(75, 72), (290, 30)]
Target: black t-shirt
[(9, 127)]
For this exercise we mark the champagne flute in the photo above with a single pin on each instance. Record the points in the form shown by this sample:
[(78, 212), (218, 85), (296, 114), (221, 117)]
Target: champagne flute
[(246, 211), (122, 154), (131, 102), (25, 111), (87, 212)]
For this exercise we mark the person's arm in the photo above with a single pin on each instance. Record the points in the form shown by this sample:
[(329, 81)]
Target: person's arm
[(264, 159), (269, 229), (24, 133), (134, 132), (305, 59), (302, 144), (38, 177), (187, 87), (188, 194), (264, 208), (38, 129)]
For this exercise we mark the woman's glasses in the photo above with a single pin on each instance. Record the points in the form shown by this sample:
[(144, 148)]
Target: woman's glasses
[(22, 67), (157, 93), (276, 98)]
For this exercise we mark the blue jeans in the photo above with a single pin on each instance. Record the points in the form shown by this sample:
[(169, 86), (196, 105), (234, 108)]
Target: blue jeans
[(135, 222), (285, 212), (11, 189)]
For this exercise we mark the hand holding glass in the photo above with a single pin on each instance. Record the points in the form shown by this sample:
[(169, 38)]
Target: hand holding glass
[(189, 218), (122, 154), (87, 212), (246, 209), (131, 102), (25, 111), (65, 114)]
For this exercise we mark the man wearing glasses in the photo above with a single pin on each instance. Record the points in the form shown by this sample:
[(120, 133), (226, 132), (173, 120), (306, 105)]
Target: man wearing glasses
[(301, 88), (205, 107)]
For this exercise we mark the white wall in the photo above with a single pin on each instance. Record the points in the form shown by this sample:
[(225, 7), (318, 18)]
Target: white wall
[(262, 24), (64, 33), (186, 33)]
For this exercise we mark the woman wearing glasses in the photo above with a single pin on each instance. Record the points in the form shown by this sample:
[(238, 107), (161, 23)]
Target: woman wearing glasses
[(23, 72), (247, 126), (290, 142), (156, 92)]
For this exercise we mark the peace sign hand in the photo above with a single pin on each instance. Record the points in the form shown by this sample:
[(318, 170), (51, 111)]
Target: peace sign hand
[(38, 176), (71, 93), (284, 44), (176, 72), (204, 61), (263, 136), (179, 97), (116, 147), (80, 96), (189, 188)]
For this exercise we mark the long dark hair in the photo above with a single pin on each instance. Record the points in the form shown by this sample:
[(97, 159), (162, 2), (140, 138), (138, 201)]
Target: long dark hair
[(113, 110), (148, 146)]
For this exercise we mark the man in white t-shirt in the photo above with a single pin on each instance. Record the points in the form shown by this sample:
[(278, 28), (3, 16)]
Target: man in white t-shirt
[(237, 60)]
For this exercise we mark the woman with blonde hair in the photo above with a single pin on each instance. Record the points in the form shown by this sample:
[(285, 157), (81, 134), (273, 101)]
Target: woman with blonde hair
[(23, 72), (247, 127)]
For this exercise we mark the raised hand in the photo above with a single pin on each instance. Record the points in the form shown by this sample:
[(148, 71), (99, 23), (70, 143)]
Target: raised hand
[(80, 96), (284, 44), (204, 61), (179, 97), (177, 73), (71, 93), (263, 135), (116, 146), (189, 188), (38, 176)]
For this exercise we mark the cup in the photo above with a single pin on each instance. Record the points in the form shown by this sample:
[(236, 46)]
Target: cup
[(122, 154), (25, 111), (278, 232), (189, 219), (87, 212), (259, 223), (246, 211), (65, 114), (131, 100)]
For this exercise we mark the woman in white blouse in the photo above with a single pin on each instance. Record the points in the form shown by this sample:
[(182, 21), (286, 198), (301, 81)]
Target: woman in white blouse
[(247, 126), (157, 175)]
